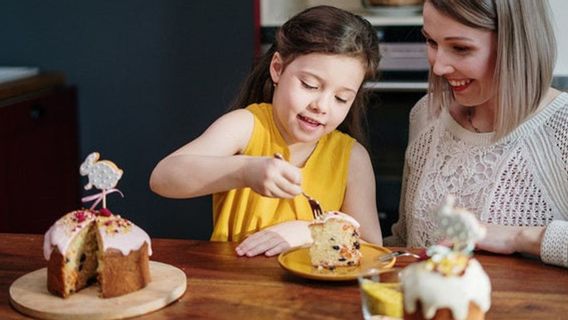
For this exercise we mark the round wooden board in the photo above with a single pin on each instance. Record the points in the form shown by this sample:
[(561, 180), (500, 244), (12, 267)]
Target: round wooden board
[(29, 295)]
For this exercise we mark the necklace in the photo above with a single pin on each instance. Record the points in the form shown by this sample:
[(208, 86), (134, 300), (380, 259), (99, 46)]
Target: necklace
[(469, 115)]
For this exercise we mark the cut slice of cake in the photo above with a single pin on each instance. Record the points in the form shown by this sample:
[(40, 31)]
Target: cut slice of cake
[(335, 241)]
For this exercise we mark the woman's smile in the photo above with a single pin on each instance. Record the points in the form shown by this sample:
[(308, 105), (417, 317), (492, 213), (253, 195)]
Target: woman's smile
[(459, 85)]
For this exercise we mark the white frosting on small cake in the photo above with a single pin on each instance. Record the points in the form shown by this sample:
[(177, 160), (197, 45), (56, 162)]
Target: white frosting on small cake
[(121, 234), (436, 291), (64, 230), (339, 216), (116, 232)]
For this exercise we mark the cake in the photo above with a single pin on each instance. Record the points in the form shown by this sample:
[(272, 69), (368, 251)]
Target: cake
[(90, 245), (86, 246), (450, 283), (335, 241), (454, 287)]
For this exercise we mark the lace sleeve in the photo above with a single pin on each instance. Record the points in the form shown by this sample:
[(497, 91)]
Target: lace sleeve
[(554, 248)]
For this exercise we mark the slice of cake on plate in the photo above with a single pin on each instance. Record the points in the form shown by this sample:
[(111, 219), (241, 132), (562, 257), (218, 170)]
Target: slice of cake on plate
[(335, 241)]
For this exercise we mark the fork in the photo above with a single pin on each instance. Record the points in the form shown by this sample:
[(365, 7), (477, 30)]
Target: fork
[(316, 207), (314, 204), (394, 254)]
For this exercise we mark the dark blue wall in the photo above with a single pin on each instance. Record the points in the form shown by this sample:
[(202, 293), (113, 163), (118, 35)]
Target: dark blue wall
[(151, 75)]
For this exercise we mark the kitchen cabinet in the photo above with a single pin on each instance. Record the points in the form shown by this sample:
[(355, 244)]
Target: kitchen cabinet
[(39, 178)]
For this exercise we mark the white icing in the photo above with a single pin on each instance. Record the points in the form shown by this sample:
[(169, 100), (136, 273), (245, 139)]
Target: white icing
[(63, 231), (340, 216), (126, 240), (436, 291)]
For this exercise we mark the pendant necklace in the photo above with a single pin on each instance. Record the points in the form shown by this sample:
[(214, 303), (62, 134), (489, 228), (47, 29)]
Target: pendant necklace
[(469, 115)]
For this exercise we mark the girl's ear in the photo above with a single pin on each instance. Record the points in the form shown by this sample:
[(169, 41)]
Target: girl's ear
[(276, 67)]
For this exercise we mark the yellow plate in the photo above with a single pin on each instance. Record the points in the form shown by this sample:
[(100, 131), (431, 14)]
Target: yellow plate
[(297, 261)]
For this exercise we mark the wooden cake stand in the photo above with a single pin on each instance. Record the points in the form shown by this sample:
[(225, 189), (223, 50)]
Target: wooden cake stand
[(29, 295)]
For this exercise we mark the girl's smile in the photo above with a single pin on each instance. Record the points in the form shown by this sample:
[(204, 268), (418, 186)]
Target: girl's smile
[(308, 124)]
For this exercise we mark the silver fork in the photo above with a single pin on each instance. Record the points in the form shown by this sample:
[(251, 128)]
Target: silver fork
[(317, 211), (316, 207), (387, 257)]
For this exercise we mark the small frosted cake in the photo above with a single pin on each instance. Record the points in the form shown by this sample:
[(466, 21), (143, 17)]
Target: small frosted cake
[(451, 284), (335, 241), (87, 246), (90, 245), (455, 287)]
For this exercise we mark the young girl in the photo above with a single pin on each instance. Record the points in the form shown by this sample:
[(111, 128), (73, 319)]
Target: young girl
[(492, 132), (302, 89)]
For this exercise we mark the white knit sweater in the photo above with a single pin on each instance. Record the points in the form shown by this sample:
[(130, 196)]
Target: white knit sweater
[(520, 180)]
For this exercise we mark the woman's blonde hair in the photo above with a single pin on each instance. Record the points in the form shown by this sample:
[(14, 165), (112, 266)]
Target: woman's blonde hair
[(526, 54)]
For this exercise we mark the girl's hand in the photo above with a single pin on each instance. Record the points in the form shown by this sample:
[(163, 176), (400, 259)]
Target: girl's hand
[(273, 177), (275, 239)]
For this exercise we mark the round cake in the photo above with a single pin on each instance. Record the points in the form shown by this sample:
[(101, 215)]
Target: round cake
[(87, 246), (445, 290), (335, 241)]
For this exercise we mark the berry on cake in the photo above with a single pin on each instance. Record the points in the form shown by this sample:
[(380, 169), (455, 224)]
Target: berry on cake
[(335, 241), (90, 245), (450, 284)]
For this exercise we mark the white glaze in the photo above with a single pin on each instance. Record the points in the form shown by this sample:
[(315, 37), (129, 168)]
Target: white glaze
[(126, 239), (62, 232), (436, 291), (340, 216)]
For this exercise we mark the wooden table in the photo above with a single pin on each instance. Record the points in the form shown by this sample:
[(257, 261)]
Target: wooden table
[(224, 286)]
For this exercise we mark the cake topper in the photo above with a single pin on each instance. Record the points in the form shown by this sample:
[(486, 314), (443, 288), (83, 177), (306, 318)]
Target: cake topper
[(459, 226), (103, 175)]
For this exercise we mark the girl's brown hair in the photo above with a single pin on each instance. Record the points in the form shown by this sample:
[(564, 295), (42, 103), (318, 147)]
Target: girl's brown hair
[(321, 29)]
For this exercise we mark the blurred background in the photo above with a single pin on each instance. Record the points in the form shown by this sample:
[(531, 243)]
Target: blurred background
[(138, 79)]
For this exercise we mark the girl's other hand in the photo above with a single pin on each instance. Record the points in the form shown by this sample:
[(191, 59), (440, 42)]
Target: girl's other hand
[(276, 239), (273, 177)]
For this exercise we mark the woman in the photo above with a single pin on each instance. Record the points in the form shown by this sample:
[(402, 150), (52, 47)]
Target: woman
[(492, 131)]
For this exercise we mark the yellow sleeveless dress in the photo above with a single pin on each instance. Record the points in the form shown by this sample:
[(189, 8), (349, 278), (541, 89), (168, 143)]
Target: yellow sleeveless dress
[(238, 213)]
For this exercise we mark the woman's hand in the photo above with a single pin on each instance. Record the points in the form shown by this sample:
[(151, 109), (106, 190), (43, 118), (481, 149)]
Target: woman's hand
[(506, 240), (272, 177), (275, 239)]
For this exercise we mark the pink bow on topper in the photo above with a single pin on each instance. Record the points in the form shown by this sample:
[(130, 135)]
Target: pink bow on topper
[(100, 196), (103, 175)]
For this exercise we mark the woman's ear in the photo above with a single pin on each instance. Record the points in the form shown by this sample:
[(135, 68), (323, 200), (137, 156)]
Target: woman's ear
[(276, 67)]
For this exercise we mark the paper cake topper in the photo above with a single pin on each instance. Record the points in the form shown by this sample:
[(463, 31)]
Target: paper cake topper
[(462, 229), (459, 226), (103, 175)]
